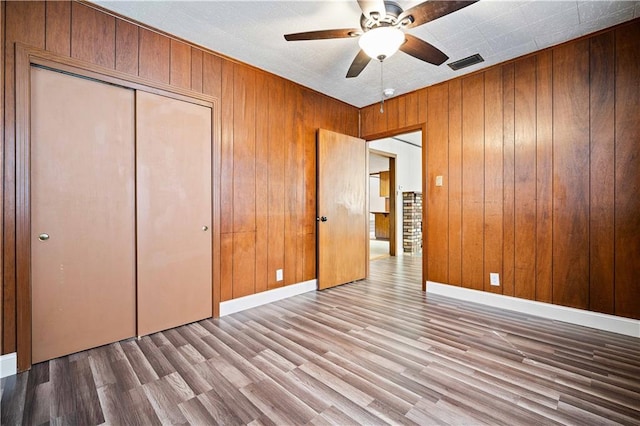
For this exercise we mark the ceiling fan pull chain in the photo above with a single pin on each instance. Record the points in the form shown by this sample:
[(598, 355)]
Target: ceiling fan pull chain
[(381, 87)]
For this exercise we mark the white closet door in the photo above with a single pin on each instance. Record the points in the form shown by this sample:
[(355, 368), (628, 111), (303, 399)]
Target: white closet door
[(82, 214), (173, 168)]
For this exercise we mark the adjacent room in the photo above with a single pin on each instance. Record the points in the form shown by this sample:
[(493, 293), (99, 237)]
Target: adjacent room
[(311, 212)]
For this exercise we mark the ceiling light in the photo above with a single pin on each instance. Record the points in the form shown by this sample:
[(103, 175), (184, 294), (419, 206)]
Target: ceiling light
[(381, 42)]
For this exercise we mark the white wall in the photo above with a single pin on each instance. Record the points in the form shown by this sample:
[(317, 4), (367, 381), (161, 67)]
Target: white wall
[(408, 175)]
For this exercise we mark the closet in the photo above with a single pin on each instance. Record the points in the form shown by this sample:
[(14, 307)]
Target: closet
[(120, 190)]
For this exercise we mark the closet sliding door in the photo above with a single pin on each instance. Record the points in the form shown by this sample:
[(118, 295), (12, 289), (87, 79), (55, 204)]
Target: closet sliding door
[(173, 179), (82, 214)]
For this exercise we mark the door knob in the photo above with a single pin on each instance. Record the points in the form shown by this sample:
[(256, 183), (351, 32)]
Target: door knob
[(322, 219), (43, 237), (205, 228)]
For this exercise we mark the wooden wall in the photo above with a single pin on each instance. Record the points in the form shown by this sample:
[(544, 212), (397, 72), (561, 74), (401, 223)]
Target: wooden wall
[(267, 191), (541, 164)]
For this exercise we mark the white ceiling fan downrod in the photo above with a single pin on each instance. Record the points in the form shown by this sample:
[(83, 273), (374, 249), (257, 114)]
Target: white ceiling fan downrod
[(381, 85)]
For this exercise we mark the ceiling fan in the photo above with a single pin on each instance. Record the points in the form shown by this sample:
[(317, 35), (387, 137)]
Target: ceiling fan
[(381, 31)]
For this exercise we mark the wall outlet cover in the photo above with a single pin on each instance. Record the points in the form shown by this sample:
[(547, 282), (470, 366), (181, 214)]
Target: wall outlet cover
[(279, 275), (494, 278)]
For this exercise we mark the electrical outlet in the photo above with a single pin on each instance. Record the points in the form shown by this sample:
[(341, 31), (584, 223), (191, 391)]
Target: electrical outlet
[(438, 180), (279, 275), (494, 278)]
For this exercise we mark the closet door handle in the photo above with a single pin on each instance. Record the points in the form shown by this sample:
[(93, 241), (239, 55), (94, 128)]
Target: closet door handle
[(43, 237), (205, 228)]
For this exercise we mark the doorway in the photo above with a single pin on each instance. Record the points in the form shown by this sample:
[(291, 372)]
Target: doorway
[(382, 205), (395, 196)]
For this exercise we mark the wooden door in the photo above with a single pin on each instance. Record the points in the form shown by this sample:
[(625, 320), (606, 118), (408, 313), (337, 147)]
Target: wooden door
[(173, 169), (82, 214), (343, 234)]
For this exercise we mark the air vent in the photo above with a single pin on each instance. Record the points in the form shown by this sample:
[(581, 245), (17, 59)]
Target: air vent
[(466, 62)]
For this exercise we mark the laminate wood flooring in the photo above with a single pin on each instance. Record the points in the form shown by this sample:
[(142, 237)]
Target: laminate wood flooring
[(378, 351)]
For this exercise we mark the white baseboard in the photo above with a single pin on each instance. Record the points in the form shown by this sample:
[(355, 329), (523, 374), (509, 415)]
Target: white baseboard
[(8, 365), (615, 324), (258, 299)]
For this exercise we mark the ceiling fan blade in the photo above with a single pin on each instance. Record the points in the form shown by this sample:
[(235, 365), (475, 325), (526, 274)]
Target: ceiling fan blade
[(323, 34), (422, 50), (373, 6), (431, 10), (359, 63)]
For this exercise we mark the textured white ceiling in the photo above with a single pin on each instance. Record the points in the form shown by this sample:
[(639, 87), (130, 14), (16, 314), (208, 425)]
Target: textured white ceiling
[(252, 32)]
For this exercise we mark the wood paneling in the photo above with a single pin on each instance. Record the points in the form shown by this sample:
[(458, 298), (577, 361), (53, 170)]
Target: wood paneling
[(392, 111), (627, 171), (154, 55), (92, 36), (602, 162), (402, 112), (244, 263), (290, 188), (557, 162), (455, 182), (493, 184), (436, 200), (368, 120), (571, 174), (262, 176), (196, 69), (422, 106), (212, 75), (226, 149), (411, 106), (126, 47), (472, 181), (525, 177), (300, 205), (58, 25), (244, 149), (544, 177), (293, 116), (276, 181), (180, 69), (226, 266), (508, 173)]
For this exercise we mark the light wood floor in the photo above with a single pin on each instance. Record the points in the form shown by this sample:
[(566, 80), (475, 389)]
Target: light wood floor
[(373, 352)]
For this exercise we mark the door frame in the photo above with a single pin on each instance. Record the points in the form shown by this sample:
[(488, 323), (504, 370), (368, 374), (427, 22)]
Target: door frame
[(398, 132), (26, 57)]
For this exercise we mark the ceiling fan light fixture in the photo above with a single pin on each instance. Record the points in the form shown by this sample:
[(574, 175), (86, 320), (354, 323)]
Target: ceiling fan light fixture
[(381, 42)]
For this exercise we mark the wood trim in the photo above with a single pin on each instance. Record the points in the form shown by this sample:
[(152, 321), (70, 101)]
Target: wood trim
[(392, 132), (393, 199), (26, 57), (424, 203), (2, 126), (23, 207)]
